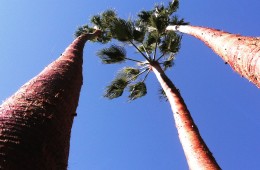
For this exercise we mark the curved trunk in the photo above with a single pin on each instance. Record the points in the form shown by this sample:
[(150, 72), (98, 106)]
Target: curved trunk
[(240, 52), (35, 123), (196, 151)]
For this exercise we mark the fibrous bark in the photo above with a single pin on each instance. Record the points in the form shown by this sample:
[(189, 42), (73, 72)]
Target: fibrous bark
[(35, 123)]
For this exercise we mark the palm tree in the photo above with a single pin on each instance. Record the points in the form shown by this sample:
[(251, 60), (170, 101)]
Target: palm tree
[(158, 48), (240, 52), (36, 121)]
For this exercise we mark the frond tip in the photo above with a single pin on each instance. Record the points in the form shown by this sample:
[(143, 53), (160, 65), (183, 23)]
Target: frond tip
[(116, 88), (137, 90), (113, 54)]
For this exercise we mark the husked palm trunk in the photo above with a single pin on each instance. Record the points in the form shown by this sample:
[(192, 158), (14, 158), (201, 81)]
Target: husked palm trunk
[(240, 52), (35, 123), (196, 151)]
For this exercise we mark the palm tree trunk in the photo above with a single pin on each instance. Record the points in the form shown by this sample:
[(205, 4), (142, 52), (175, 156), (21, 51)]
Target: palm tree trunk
[(196, 151), (35, 123), (240, 52)]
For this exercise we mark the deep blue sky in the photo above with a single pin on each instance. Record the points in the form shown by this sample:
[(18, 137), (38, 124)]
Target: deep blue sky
[(117, 135)]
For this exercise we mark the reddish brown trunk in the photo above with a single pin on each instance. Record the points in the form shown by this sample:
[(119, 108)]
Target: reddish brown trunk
[(35, 123), (196, 151), (240, 52)]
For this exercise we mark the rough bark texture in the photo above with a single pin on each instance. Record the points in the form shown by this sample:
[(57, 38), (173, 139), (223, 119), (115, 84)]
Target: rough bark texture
[(196, 151), (240, 52), (35, 123)]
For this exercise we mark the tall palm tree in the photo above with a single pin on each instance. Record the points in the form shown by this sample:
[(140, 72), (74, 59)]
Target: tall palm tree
[(147, 36), (240, 52), (35, 123)]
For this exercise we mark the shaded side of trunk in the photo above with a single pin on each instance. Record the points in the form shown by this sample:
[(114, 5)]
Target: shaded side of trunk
[(35, 123), (196, 151), (240, 52)]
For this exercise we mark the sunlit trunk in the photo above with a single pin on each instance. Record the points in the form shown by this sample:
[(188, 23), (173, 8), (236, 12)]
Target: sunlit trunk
[(35, 123), (196, 151), (240, 52)]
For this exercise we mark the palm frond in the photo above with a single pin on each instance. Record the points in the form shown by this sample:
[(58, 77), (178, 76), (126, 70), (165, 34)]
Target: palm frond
[(83, 30), (137, 90), (171, 43), (103, 20), (139, 34), (129, 73), (144, 16), (144, 48), (121, 29), (160, 22), (169, 62), (176, 21), (116, 88), (113, 54), (173, 6)]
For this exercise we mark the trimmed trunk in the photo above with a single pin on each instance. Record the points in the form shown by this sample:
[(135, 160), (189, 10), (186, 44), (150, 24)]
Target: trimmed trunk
[(35, 123), (240, 52), (196, 151)]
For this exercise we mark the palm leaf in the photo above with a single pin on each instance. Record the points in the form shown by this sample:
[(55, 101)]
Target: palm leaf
[(139, 34), (83, 30), (103, 20), (116, 88), (173, 6), (170, 43), (137, 90), (129, 73), (175, 21), (121, 29), (144, 16), (113, 54), (169, 62), (160, 22)]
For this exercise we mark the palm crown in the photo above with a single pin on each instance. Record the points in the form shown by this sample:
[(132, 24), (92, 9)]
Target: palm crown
[(147, 35)]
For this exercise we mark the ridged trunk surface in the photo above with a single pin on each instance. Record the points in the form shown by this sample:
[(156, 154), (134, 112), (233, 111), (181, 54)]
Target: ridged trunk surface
[(240, 52), (196, 151), (35, 123)]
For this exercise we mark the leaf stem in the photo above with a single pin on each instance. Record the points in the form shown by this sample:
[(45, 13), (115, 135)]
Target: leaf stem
[(160, 57), (138, 75), (155, 50), (146, 75), (139, 51), (146, 52), (133, 60)]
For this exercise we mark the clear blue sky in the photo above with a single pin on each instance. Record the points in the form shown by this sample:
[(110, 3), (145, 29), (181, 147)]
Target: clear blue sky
[(117, 135)]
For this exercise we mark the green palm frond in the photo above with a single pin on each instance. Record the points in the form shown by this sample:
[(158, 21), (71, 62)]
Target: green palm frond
[(171, 43), (129, 73), (144, 48), (176, 21), (112, 54), (160, 22), (169, 62), (144, 16), (152, 37), (103, 20), (139, 34), (83, 30), (173, 6), (116, 88), (137, 90), (121, 29)]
